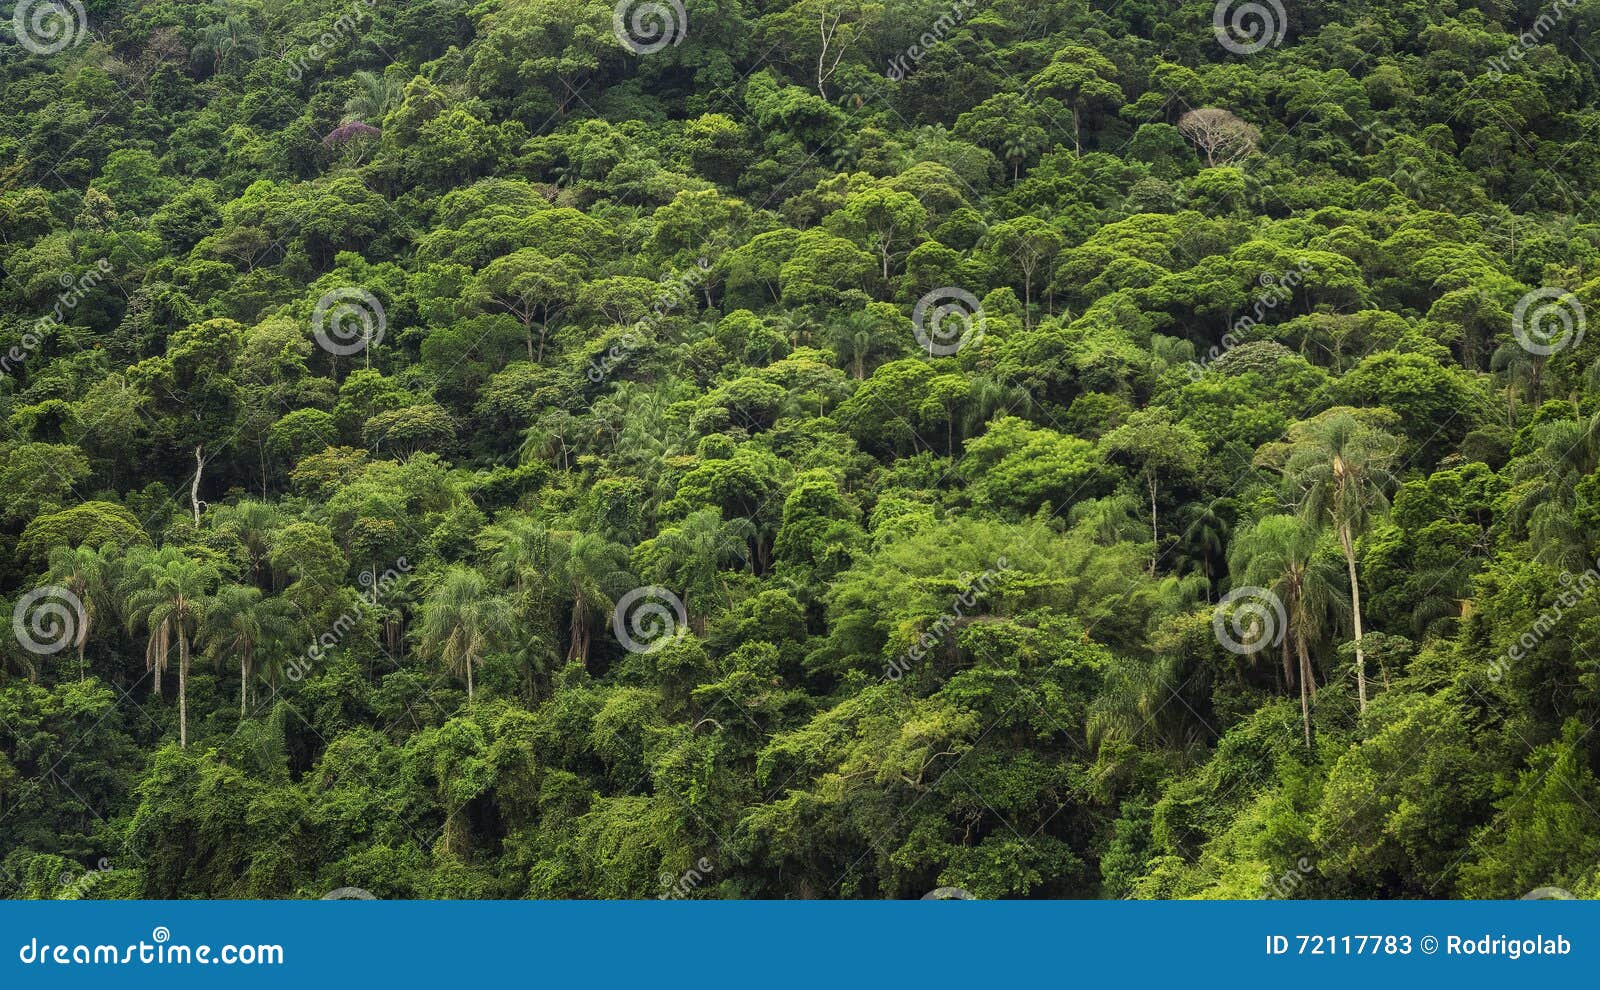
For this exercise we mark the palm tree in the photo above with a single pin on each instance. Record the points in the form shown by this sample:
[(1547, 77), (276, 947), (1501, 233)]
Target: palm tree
[(462, 621), (1546, 480), (252, 523), (238, 621), (519, 551), (166, 595), (1204, 541), (691, 554), (376, 94), (86, 572), (1279, 554), (219, 42), (1343, 468), (1140, 699), (589, 572)]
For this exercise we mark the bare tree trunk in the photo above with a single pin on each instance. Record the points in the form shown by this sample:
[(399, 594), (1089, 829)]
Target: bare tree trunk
[(183, 690), (194, 486), (1355, 613), (244, 686), (1155, 532), (1306, 681)]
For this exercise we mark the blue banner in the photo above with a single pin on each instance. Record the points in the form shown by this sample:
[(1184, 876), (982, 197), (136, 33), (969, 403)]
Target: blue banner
[(794, 944)]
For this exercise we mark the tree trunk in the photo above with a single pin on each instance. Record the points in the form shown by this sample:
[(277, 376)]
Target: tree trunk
[(1155, 532), (194, 486), (1355, 614), (244, 686), (183, 690), (1306, 681), (1288, 669), (469, 678), (579, 627)]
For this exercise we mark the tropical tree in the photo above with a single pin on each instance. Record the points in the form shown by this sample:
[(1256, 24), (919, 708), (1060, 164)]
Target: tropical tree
[(1159, 448), (1342, 469), (239, 619), (590, 573), (87, 572), (167, 596), (462, 620), (1279, 555)]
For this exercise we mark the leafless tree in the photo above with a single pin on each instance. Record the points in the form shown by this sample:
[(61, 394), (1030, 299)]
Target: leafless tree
[(1223, 137)]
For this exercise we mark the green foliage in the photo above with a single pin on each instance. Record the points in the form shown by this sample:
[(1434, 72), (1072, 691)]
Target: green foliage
[(809, 459)]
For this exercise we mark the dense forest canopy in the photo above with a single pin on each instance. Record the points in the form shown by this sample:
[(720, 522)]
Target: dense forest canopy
[(1045, 448)]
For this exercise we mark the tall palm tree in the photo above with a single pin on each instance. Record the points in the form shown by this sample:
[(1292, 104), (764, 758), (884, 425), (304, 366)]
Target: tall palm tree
[(238, 621), (167, 596), (462, 621), (1279, 554), (1343, 468), (87, 573), (1203, 544)]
